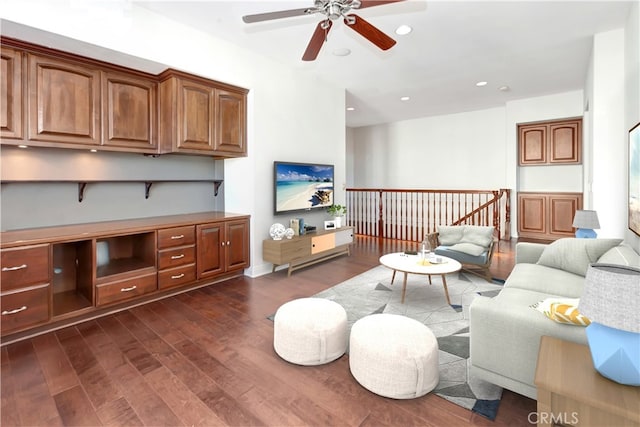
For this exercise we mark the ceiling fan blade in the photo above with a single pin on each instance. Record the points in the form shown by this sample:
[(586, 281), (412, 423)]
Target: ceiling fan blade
[(259, 17), (371, 3), (370, 32), (317, 40)]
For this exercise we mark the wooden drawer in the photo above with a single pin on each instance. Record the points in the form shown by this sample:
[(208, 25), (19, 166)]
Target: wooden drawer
[(178, 236), (24, 308), (24, 266), (125, 289), (177, 276), (175, 257)]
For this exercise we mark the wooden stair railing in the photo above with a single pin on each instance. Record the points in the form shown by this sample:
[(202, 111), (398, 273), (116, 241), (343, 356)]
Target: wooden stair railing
[(410, 214)]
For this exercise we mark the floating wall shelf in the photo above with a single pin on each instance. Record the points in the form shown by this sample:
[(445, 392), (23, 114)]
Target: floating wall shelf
[(82, 184)]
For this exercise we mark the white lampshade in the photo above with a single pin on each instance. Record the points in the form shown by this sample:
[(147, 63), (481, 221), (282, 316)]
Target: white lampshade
[(586, 219), (611, 296)]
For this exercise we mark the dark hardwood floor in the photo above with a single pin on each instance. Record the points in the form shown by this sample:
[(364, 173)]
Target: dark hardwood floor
[(206, 357)]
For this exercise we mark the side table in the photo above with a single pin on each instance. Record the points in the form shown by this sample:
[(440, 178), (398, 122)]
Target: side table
[(572, 392)]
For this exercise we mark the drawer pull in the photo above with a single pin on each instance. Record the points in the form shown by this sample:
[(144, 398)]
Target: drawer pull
[(179, 236), (17, 310), (179, 276), (177, 256), (133, 288), (20, 267)]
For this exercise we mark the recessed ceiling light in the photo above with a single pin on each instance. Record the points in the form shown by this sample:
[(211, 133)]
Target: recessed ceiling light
[(403, 30), (350, 108), (404, 98), (343, 51), (504, 88), (479, 84)]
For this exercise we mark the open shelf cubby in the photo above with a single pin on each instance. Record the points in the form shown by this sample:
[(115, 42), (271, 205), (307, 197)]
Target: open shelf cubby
[(72, 277), (121, 256)]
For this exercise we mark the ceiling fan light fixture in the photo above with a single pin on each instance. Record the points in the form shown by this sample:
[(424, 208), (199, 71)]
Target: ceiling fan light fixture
[(403, 30)]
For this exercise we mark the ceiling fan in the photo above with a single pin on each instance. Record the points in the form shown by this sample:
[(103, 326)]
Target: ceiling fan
[(332, 10)]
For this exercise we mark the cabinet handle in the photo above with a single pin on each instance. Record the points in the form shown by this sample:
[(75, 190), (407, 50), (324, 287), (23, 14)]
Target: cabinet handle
[(179, 276), (228, 243), (128, 289), (179, 236), (20, 267), (17, 310), (223, 243), (177, 256)]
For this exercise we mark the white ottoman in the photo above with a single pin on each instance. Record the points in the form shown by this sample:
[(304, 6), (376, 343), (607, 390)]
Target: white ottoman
[(310, 331), (393, 356)]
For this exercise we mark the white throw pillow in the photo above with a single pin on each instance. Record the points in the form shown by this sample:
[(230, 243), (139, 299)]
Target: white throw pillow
[(622, 255), (468, 248), (574, 255), (478, 235), (449, 234)]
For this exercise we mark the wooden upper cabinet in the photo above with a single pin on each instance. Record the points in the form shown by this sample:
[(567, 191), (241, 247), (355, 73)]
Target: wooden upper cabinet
[(64, 101), (231, 122), (557, 142), (129, 113), (200, 116), (11, 94)]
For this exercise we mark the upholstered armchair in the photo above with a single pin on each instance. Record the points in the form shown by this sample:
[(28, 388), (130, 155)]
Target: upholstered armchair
[(470, 245)]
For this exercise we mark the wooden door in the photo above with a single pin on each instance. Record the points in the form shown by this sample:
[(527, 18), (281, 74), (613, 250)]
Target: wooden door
[(532, 144), (237, 245), (11, 94), (210, 252), (64, 101), (565, 142), (562, 209), (231, 122), (196, 116), (532, 216), (129, 112)]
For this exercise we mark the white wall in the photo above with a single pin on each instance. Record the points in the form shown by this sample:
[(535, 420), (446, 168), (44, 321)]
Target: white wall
[(282, 109), (442, 152)]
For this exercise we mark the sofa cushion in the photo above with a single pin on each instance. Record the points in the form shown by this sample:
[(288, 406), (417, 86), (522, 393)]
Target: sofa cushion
[(547, 280), (469, 248), (450, 234), (622, 254), (574, 255), (562, 310), (462, 257), (478, 235)]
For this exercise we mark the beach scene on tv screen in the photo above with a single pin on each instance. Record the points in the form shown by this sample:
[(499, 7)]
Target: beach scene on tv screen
[(301, 186)]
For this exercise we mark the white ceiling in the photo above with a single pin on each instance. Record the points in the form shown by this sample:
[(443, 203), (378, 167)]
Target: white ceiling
[(533, 47)]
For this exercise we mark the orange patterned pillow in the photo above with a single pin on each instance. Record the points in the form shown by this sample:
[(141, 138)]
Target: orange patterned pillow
[(562, 310)]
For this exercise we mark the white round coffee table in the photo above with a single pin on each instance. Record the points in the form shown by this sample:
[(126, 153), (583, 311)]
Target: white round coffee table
[(400, 261)]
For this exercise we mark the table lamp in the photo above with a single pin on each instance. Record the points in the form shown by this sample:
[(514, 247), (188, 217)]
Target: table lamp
[(585, 221), (611, 300)]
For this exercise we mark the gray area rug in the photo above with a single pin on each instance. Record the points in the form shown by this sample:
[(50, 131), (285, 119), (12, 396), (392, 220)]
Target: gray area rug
[(372, 292)]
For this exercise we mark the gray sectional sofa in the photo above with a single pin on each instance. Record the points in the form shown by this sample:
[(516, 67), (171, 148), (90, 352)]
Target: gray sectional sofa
[(505, 330)]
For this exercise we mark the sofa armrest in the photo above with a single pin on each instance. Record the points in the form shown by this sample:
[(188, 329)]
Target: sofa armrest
[(528, 252)]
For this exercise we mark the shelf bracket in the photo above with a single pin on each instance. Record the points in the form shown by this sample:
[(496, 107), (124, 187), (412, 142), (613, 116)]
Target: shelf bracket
[(147, 188), (81, 187), (216, 187)]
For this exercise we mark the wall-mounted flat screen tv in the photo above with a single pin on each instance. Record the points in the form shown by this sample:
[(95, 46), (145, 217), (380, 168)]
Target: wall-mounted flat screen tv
[(302, 186)]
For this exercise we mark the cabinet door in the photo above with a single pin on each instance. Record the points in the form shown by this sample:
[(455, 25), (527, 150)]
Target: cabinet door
[(532, 210), (11, 94), (129, 112), (565, 140), (196, 115), (237, 245), (64, 101), (323, 242), (210, 252), (562, 209), (532, 144), (231, 122), (344, 237)]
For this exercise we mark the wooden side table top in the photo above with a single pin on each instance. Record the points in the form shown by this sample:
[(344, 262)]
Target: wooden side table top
[(566, 369)]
